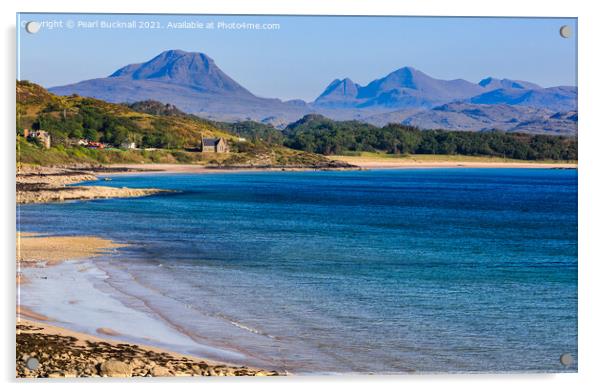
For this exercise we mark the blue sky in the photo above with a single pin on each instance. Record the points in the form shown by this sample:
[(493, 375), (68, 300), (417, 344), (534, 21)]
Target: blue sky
[(306, 53)]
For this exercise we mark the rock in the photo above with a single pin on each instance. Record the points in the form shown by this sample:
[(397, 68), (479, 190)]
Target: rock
[(115, 368), (137, 363), (55, 375), (159, 371), (197, 370)]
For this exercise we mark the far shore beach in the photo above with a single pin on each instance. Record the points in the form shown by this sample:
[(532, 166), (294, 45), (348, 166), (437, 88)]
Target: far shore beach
[(360, 163)]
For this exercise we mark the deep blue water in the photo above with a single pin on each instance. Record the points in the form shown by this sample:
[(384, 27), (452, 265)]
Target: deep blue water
[(370, 271)]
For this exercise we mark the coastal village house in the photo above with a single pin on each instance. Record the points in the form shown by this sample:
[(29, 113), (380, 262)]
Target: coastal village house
[(90, 144), (41, 135), (217, 145), (128, 145)]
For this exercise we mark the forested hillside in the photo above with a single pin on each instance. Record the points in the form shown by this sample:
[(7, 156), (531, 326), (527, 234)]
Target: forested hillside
[(315, 133)]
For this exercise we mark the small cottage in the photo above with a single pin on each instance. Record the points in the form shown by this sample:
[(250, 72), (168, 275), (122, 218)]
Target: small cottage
[(217, 145), (41, 135), (128, 145)]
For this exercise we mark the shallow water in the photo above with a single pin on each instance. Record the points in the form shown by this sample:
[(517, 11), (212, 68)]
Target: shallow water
[(374, 271)]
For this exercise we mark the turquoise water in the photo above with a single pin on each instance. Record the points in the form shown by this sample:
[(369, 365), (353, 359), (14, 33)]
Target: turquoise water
[(422, 270)]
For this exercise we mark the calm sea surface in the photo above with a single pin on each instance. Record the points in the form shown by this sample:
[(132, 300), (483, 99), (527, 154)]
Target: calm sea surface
[(369, 271)]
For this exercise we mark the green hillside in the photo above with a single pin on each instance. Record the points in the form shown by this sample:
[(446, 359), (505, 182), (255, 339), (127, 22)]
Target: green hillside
[(75, 117), (162, 133)]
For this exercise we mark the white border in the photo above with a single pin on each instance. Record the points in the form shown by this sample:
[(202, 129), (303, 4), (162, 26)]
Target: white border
[(590, 142)]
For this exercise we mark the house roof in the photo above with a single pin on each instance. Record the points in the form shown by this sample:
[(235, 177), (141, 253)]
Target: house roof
[(211, 142)]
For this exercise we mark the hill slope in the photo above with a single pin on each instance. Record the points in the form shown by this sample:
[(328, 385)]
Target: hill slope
[(164, 129)]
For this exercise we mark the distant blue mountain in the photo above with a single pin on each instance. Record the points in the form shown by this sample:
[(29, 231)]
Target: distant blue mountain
[(491, 83), (190, 81), (408, 88), (404, 88), (480, 117), (554, 98), (195, 84)]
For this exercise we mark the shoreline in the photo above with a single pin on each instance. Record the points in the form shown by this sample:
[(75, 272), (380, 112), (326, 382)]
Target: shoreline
[(448, 161), (379, 164), (44, 263), (37, 185), (64, 353)]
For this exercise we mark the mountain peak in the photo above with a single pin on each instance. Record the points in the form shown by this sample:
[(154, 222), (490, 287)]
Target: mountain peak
[(176, 66), (407, 69), (338, 91), (404, 77), (491, 83)]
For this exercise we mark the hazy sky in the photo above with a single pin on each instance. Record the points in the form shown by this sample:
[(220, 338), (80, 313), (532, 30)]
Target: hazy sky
[(305, 54)]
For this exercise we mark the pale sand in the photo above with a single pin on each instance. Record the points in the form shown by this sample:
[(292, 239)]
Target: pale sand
[(33, 250), (401, 162), (21, 279), (23, 311), (359, 162), (107, 331)]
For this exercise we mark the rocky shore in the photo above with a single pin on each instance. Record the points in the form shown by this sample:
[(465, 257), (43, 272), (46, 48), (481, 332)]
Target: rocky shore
[(50, 184), (52, 352)]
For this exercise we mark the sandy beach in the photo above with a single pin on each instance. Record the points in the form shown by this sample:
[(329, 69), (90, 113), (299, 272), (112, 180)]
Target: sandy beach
[(62, 352), (436, 161), (360, 162), (34, 249)]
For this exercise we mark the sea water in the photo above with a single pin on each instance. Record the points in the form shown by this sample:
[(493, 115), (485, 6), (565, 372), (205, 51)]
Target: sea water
[(390, 271)]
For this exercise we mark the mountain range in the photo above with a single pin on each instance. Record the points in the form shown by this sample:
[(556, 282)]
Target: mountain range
[(195, 84)]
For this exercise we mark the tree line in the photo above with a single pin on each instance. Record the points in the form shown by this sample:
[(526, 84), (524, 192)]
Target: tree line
[(315, 133)]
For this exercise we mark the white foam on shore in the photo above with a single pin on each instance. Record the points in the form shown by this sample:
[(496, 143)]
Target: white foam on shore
[(68, 294)]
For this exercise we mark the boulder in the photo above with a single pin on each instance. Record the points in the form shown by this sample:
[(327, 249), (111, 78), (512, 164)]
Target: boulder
[(159, 371), (115, 368)]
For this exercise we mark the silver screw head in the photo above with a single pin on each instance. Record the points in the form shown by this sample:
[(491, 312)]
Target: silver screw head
[(565, 31), (566, 359), (32, 27), (32, 363)]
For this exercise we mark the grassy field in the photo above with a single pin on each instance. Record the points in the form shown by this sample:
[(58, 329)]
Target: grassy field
[(28, 153), (56, 156)]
